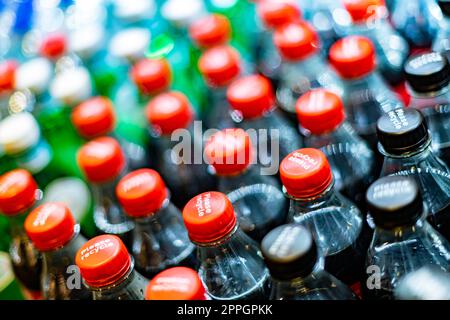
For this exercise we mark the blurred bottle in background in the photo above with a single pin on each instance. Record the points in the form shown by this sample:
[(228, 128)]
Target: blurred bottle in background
[(441, 42)]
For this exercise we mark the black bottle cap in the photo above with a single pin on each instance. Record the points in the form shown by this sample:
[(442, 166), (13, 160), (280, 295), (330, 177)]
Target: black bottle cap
[(289, 252), (402, 130), (427, 72), (445, 6), (394, 201)]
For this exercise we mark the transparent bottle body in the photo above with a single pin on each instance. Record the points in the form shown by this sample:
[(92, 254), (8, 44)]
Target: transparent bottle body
[(60, 278), (257, 199), (269, 60), (441, 42), (350, 157), (433, 177), (233, 268), (397, 252), (161, 241), (217, 113), (436, 109), (366, 99), (339, 231)]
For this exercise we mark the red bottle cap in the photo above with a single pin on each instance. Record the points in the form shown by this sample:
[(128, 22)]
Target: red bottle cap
[(152, 76), (53, 46), (275, 13), (7, 75), (362, 10), (296, 41), (211, 30), (169, 111), (103, 261), (209, 217), (101, 159), (220, 65), (305, 173), (353, 56), (141, 192), (179, 283), (229, 151), (252, 96), (320, 111), (95, 117), (17, 191), (50, 226)]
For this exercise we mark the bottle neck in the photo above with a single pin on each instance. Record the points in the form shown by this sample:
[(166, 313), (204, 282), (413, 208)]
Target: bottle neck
[(421, 152), (16, 224), (321, 200), (145, 223), (310, 65), (428, 95), (59, 256), (401, 233)]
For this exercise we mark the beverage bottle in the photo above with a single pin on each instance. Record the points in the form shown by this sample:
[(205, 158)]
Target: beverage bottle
[(323, 123), (428, 78), (366, 96), (18, 194), (427, 283), (108, 270), (253, 106), (9, 285), (232, 267), (272, 15), (258, 201), (178, 283), (7, 75), (103, 164), (219, 66), (160, 239), (135, 13), (336, 223), (441, 42), (303, 66), (369, 19), (405, 143), (152, 76), (296, 268), (171, 117), (403, 241), (54, 232), (96, 117)]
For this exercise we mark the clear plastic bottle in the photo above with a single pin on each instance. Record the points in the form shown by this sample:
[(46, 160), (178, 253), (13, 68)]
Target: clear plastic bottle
[(18, 195), (336, 223), (428, 77), (441, 42), (179, 283), (405, 142), (54, 232), (366, 96), (103, 163), (403, 241), (219, 66), (303, 66), (171, 117), (293, 260), (232, 267), (322, 118), (258, 201), (369, 19), (160, 239), (108, 270)]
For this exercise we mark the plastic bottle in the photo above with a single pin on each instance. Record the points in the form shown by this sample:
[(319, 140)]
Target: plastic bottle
[(441, 42), (366, 96), (428, 77), (160, 239), (405, 142), (323, 122), (54, 232), (336, 223), (258, 201), (7, 75), (108, 270), (403, 241), (292, 257), (179, 283), (232, 267)]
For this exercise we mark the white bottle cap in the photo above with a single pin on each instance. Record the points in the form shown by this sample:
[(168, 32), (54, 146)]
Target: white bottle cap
[(182, 13), (34, 75), (18, 132), (87, 41), (72, 86), (134, 10), (130, 44)]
